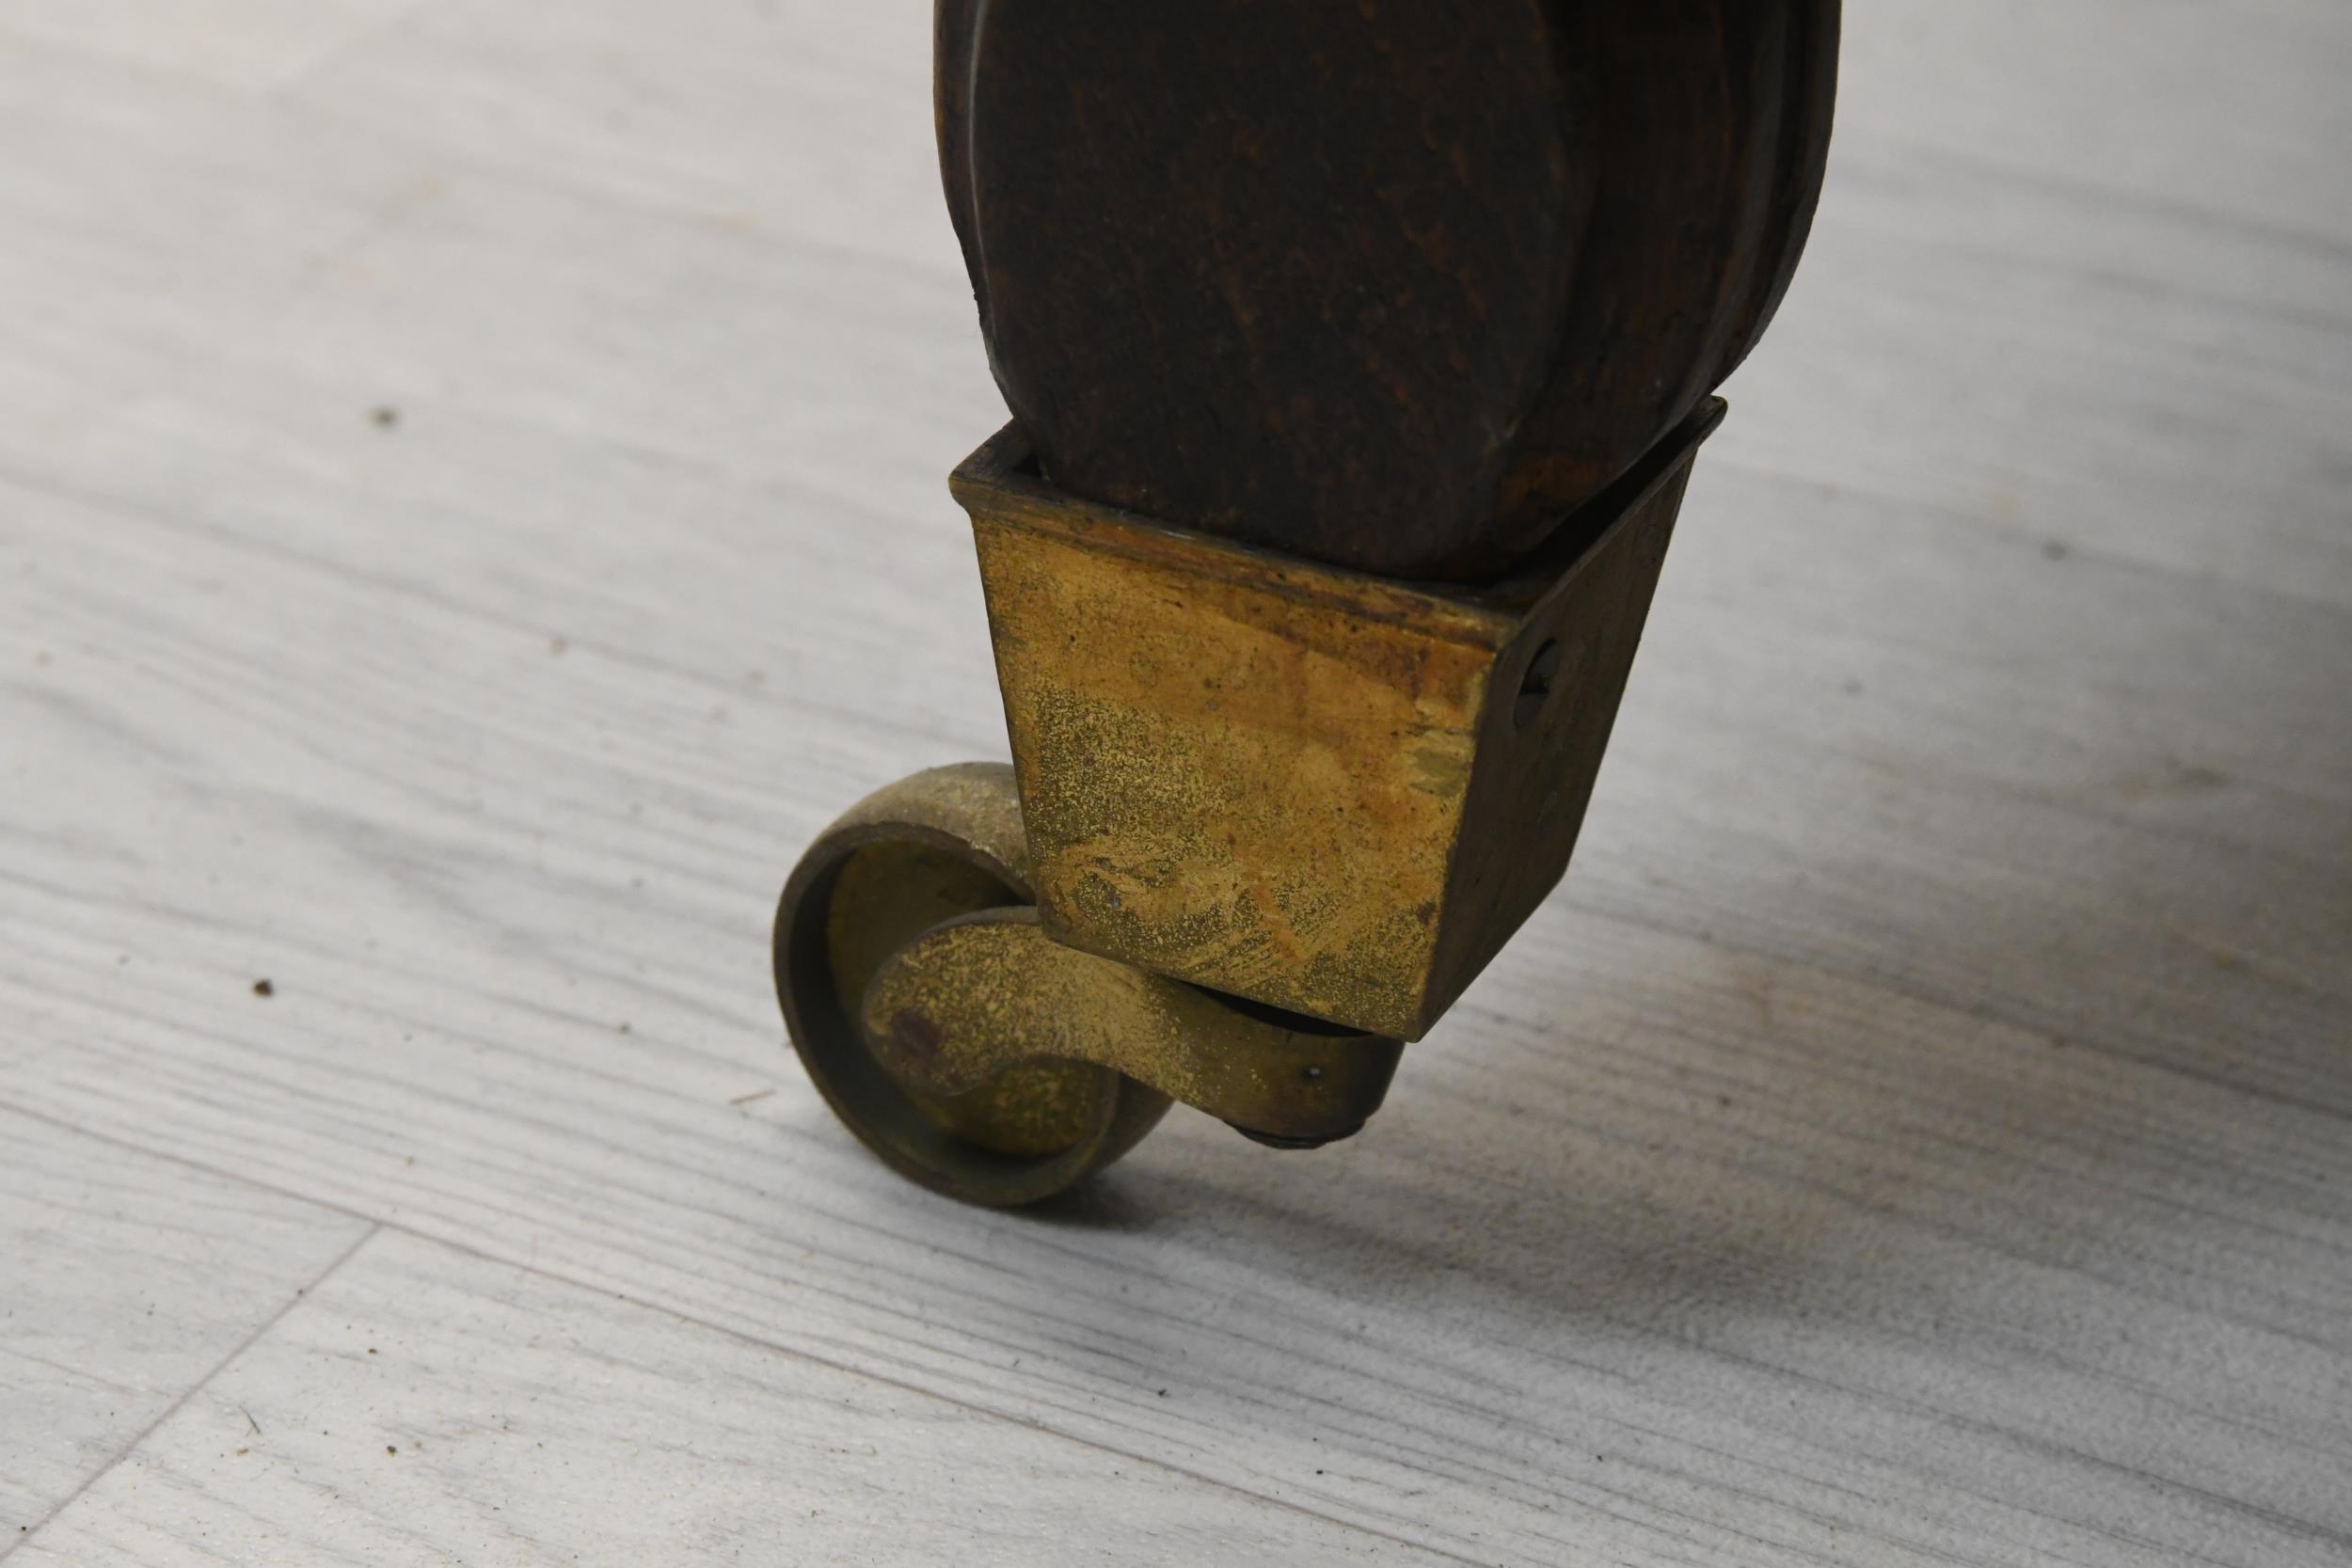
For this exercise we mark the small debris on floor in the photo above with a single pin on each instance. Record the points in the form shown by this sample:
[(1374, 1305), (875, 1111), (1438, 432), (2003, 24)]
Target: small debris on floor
[(385, 416), (262, 987)]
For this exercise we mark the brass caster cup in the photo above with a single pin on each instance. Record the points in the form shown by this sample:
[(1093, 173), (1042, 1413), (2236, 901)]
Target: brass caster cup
[(1335, 794)]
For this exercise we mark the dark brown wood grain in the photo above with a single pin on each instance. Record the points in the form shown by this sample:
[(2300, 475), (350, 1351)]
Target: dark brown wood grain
[(1393, 284)]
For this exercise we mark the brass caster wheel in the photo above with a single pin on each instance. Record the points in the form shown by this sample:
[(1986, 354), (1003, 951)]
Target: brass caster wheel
[(920, 853), (980, 1055)]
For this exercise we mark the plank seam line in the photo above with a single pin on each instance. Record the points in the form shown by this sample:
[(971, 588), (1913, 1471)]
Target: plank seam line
[(301, 1294), (377, 1226)]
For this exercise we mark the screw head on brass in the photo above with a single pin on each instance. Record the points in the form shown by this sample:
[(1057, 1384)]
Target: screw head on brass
[(1535, 685)]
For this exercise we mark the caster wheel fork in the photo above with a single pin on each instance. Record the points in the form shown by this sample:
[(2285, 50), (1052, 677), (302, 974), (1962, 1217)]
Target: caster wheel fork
[(977, 1055)]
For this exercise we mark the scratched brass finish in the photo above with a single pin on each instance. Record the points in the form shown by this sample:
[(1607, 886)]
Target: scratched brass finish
[(887, 895), (1334, 794), (958, 1008), (926, 851)]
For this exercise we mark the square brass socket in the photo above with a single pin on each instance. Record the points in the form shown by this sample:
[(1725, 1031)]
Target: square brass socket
[(1329, 792)]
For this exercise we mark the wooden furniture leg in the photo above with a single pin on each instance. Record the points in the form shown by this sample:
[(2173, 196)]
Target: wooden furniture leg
[(1357, 358)]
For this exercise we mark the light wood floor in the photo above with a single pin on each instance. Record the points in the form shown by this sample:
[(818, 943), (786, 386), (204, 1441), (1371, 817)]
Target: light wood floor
[(472, 507)]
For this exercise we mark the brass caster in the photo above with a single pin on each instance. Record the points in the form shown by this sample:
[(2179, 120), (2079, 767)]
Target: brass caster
[(1265, 820), (979, 1057)]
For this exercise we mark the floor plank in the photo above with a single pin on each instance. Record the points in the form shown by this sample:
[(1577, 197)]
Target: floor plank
[(127, 1282), (426, 1406)]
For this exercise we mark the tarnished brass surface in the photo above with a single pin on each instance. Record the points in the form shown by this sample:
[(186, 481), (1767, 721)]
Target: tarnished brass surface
[(976, 997), (1331, 793), (888, 893), (924, 851)]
